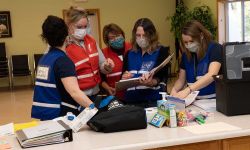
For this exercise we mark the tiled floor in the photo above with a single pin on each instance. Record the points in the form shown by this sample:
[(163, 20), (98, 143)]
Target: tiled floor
[(15, 105)]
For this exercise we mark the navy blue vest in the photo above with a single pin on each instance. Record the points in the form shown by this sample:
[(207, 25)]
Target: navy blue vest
[(194, 72), (47, 99), (137, 65)]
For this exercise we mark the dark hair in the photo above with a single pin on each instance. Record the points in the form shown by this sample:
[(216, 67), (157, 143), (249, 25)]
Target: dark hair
[(150, 33), (111, 28), (199, 34), (54, 31)]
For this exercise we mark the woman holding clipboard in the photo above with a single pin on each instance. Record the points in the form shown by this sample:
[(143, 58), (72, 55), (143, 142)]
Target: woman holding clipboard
[(145, 55)]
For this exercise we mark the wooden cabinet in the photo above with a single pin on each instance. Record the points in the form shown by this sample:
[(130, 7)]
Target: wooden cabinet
[(210, 145), (240, 143)]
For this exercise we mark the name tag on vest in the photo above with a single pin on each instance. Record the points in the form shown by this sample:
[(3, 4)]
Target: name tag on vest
[(121, 57), (42, 73)]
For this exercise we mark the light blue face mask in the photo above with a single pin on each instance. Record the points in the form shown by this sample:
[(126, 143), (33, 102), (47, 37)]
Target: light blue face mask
[(118, 43)]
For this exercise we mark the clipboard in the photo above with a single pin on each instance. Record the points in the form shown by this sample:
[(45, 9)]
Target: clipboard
[(164, 63), (51, 132), (124, 84)]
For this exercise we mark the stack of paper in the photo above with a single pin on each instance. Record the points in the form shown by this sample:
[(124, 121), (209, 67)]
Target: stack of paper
[(7, 129), (47, 133), (206, 104), (211, 128)]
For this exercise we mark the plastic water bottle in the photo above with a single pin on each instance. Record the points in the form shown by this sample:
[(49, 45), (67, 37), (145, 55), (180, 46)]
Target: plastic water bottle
[(172, 116)]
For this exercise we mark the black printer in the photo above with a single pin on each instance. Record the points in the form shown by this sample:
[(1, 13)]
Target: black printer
[(233, 86)]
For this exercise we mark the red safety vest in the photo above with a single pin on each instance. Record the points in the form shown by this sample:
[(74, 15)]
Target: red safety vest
[(86, 62), (116, 73)]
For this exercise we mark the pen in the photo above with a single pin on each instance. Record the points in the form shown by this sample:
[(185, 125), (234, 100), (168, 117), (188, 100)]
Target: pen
[(198, 122), (201, 120)]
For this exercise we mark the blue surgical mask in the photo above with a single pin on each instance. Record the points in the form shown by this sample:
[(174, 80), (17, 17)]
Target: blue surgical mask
[(117, 43)]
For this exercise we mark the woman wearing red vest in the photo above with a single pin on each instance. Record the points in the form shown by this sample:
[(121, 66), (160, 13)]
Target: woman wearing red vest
[(114, 38), (85, 52)]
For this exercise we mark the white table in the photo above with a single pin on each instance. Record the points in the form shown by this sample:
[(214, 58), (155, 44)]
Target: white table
[(151, 137)]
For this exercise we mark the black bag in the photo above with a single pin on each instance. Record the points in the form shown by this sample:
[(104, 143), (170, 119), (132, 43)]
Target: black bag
[(113, 116)]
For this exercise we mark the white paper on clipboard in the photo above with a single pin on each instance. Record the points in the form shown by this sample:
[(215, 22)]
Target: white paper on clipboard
[(124, 84), (164, 63)]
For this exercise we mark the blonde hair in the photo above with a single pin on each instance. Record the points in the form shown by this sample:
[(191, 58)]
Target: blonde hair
[(199, 34), (74, 14)]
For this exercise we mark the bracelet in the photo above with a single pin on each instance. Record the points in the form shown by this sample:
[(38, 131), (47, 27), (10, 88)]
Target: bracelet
[(190, 89)]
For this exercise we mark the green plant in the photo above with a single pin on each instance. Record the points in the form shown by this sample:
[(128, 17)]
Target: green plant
[(181, 16), (202, 14)]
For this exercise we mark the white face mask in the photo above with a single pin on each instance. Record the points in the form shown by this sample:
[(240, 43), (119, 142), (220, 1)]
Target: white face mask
[(80, 33), (192, 47), (142, 42)]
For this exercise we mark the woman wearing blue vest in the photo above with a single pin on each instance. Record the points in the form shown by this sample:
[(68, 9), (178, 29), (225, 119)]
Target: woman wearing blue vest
[(201, 60), (146, 54), (56, 81)]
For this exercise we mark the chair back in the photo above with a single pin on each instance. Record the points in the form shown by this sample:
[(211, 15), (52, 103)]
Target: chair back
[(2, 52), (20, 62), (36, 60)]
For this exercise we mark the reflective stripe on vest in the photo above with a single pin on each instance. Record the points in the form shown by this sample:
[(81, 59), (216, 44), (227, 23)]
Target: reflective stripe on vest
[(45, 84), (87, 75), (114, 74), (81, 62), (46, 105), (195, 73), (47, 99), (86, 61), (139, 64)]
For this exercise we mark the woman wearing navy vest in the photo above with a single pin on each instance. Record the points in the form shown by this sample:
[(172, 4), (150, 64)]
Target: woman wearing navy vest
[(85, 53), (201, 60), (56, 81), (146, 54), (117, 48)]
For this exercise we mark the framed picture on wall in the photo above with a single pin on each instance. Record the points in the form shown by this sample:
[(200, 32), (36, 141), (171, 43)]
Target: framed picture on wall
[(5, 24)]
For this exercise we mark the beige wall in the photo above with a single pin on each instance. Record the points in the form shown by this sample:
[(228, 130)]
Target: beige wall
[(28, 15)]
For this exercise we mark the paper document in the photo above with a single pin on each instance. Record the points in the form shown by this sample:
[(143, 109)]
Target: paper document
[(211, 128), (164, 63), (191, 97), (206, 104), (124, 84), (183, 102), (7, 129)]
